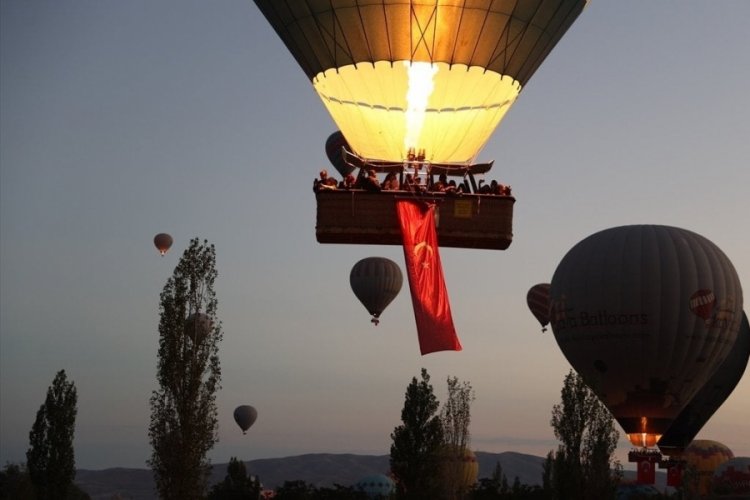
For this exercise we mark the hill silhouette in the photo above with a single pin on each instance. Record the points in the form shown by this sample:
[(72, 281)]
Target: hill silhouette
[(319, 469)]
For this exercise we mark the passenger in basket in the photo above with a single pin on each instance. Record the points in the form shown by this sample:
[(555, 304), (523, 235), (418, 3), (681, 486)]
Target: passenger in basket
[(391, 182), (324, 182), (348, 182), (371, 182), (441, 185)]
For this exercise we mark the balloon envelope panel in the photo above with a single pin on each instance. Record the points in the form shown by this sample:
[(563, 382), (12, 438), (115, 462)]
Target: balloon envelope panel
[(622, 314)]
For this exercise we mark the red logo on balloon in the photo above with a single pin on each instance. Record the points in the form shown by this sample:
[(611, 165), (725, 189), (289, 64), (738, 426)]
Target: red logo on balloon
[(702, 303)]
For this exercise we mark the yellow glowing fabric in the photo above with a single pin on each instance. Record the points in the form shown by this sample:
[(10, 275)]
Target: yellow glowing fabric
[(386, 108), (644, 439)]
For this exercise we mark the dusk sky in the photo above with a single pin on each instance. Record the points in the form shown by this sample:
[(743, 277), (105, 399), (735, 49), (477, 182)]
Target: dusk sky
[(123, 119)]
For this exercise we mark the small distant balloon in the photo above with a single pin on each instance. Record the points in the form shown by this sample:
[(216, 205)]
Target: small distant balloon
[(163, 242), (245, 416), (375, 281), (538, 301)]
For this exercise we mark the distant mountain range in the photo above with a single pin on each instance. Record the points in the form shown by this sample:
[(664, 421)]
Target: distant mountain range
[(319, 469)]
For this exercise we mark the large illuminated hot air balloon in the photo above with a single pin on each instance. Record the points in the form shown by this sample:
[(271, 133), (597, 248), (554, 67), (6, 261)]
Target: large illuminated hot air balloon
[(162, 242), (421, 83), (702, 458), (376, 281), (537, 299), (245, 416), (419, 75), (710, 397), (621, 313)]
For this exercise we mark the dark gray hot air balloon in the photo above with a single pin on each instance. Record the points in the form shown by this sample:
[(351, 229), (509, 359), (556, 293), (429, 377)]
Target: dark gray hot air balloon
[(162, 242), (334, 144), (245, 416), (625, 312), (711, 396), (375, 281)]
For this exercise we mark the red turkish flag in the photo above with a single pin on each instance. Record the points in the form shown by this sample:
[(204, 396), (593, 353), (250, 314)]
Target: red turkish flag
[(429, 296), (646, 472), (674, 475)]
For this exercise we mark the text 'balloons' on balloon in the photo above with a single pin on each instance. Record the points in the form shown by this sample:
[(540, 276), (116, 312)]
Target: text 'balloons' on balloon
[(162, 242), (537, 299), (245, 416), (334, 151), (435, 77), (710, 397), (621, 313), (376, 281)]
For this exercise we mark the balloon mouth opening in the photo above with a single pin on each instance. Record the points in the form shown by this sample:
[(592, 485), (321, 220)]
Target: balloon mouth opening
[(644, 439)]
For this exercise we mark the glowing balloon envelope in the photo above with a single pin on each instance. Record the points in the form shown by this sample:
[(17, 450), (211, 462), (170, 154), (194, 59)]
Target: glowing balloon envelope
[(376, 281), (622, 314), (538, 301), (245, 416), (162, 242), (419, 76)]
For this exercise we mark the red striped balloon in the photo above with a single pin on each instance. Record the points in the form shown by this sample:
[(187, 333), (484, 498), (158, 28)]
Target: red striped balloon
[(538, 301)]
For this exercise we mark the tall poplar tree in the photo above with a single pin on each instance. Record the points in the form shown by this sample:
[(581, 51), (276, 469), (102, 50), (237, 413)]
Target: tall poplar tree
[(455, 416), (583, 466), (50, 459), (184, 424), (417, 443)]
